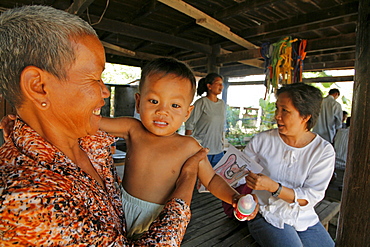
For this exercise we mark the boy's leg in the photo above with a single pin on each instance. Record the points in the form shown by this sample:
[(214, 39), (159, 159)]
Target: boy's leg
[(316, 236), (267, 235)]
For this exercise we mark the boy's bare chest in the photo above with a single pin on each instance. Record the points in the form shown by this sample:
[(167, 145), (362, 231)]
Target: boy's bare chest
[(166, 152), (159, 152), (158, 163)]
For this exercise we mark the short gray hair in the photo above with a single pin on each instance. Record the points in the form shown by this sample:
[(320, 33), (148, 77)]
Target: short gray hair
[(40, 36)]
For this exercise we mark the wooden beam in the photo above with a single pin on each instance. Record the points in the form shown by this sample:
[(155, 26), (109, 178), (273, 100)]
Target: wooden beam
[(242, 70), (112, 58), (215, 27), (208, 22), (323, 58), (253, 62), (303, 23), (329, 79), (322, 44), (238, 56), (296, 31), (151, 35), (149, 8), (353, 228), (328, 65), (247, 57), (243, 7), (79, 6), (333, 42), (117, 50), (200, 74), (123, 51), (138, 55), (305, 80), (197, 62)]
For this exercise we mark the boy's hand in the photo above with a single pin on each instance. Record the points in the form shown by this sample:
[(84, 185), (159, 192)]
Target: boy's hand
[(7, 124)]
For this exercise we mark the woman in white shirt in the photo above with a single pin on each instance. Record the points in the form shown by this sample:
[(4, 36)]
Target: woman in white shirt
[(298, 166)]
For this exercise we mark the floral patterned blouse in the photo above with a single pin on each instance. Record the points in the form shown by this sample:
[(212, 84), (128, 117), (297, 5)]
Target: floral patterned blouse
[(47, 200)]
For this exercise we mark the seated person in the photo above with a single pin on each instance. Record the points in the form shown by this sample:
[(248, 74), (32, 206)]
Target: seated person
[(297, 167), (341, 146), (58, 185)]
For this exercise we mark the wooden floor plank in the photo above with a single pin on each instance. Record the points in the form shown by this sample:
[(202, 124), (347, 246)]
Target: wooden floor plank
[(209, 225)]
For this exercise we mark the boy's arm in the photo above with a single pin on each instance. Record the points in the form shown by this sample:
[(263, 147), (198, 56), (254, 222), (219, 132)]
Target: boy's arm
[(222, 190), (216, 184), (119, 126)]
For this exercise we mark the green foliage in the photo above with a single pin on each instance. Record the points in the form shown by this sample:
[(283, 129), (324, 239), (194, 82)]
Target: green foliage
[(314, 74), (238, 137), (327, 84), (268, 114), (236, 133), (345, 100), (120, 74), (232, 116)]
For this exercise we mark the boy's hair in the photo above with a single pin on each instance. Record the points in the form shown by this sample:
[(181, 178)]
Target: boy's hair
[(209, 79), (167, 66), (40, 36)]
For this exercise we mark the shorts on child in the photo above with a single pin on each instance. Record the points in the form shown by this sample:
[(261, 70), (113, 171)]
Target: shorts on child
[(139, 214)]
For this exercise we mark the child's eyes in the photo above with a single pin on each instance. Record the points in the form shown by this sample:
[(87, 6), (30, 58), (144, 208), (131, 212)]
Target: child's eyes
[(176, 106), (153, 101)]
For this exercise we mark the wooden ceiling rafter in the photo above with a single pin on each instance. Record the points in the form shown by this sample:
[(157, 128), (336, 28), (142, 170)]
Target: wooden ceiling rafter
[(79, 6), (301, 22), (134, 32), (151, 35), (214, 25)]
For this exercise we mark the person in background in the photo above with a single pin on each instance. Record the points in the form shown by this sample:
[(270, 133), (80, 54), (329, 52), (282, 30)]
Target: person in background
[(330, 118), (297, 167), (345, 116), (207, 121), (341, 146), (58, 184)]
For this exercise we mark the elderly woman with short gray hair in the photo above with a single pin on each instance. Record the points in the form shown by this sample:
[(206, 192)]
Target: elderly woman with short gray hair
[(58, 184)]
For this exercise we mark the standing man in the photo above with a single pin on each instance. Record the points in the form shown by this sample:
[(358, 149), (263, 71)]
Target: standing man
[(330, 118)]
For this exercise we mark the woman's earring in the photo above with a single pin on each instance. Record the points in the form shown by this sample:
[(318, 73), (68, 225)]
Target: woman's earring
[(43, 104)]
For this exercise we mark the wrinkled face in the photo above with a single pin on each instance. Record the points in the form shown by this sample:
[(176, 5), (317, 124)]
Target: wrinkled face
[(287, 116), (77, 101), (164, 103), (216, 87)]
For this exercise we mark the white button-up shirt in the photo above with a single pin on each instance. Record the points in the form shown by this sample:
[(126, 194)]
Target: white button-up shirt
[(306, 170)]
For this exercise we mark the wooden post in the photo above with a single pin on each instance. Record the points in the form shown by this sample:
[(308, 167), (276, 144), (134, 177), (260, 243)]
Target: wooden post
[(124, 100), (226, 88), (354, 219), (105, 110), (212, 64)]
